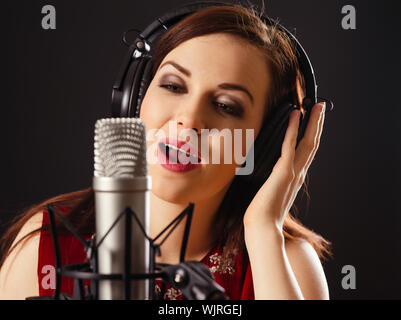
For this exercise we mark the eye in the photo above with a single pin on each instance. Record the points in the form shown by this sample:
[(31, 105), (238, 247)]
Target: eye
[(231, 110), (171, 87), (221, 107)]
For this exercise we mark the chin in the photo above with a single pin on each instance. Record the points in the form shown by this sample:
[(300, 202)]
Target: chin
[(172, 194), (179, 191)]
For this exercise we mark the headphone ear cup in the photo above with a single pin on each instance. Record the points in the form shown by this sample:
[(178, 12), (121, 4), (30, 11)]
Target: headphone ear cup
[(268, 143), (134, 82), (277, 125), (126, 102), (143, 86), (121, 97)]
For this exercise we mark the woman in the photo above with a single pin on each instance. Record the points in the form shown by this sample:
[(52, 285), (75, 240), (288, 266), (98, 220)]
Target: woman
[(242, 230)]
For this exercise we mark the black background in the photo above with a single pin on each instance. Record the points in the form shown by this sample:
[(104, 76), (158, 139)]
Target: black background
[(57, 83)]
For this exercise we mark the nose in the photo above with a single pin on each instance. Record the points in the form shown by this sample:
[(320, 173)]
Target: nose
[(196, 129), (191, 116)]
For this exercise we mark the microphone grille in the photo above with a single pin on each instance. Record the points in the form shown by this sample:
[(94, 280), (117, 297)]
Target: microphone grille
[(120, 148)]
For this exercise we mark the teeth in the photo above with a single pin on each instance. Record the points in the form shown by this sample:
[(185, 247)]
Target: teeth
[(180, 150), (175, 148)]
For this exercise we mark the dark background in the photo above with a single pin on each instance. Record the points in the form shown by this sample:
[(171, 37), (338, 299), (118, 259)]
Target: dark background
[(57, 83)]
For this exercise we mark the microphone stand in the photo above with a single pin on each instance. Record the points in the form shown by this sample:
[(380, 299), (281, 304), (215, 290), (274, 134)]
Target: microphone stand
[(194, 279)]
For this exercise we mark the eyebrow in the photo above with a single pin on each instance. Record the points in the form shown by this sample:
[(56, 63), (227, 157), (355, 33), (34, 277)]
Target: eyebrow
[(228, 86), (178, 67)]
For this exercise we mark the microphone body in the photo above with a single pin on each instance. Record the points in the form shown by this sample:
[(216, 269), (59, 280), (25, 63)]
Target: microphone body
[(112, 197), (120, 181)]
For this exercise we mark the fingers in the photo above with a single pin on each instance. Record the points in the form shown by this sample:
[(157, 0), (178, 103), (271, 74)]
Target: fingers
[(309, 144), (284, 168), (317, 140), (290, 139), (306, 150)]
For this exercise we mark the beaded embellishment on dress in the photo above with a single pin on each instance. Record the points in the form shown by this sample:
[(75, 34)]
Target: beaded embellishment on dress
[(171, 293), (223, 263)]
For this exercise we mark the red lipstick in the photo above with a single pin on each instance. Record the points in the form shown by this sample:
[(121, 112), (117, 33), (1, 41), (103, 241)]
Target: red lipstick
[(171, 150)]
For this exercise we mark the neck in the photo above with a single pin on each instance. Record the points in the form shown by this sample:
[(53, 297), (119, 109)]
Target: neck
[(201, 236)]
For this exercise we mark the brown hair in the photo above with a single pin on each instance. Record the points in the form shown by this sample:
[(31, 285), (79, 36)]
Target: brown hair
[(288, 84)]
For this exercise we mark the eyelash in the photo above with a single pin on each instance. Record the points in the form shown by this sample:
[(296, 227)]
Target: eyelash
[(234, 111)]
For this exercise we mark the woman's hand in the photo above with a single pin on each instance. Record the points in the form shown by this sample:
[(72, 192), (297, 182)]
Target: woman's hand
[(273, 276), (275, 198)]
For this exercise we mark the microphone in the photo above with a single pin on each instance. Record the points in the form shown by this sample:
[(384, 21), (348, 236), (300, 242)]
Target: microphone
[(121, 180)]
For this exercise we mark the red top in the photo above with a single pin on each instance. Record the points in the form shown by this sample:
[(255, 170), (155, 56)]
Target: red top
[(231, 271)]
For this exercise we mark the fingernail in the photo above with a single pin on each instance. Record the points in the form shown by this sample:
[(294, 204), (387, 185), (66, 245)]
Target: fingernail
[(323, 104)]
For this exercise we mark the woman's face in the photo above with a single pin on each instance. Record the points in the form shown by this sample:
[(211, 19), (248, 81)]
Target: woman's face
[(187, 92)]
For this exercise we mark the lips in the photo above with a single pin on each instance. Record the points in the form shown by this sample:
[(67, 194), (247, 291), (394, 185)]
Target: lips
[(170, 152), (172, 148)]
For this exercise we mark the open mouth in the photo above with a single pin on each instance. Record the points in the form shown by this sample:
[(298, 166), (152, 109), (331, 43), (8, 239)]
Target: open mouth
[(175, 154)]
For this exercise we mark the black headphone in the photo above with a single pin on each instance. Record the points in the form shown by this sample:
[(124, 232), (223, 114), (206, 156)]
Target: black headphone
[(135, 74)]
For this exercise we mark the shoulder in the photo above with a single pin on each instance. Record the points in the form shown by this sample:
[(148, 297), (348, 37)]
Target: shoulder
[(18, 275), (307, 268)]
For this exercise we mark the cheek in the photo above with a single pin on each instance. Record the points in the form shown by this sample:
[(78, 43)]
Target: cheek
[(229, 152), (229, 147), (146, 114), (243, 140), (153, 110), (146, 109)]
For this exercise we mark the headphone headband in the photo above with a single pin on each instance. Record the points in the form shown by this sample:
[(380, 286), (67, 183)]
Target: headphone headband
[(135, 76), (123, 96)]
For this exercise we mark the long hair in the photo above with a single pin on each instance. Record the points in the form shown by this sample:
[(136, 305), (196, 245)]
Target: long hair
[(288, 84)]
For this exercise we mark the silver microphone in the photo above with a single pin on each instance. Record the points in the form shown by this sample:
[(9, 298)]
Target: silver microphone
[(121, 180)]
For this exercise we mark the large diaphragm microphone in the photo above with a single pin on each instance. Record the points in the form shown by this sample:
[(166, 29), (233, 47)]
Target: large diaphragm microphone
[(121, 181)]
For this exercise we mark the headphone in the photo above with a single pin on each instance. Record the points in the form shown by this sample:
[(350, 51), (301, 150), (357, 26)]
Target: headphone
[(135, 75)]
